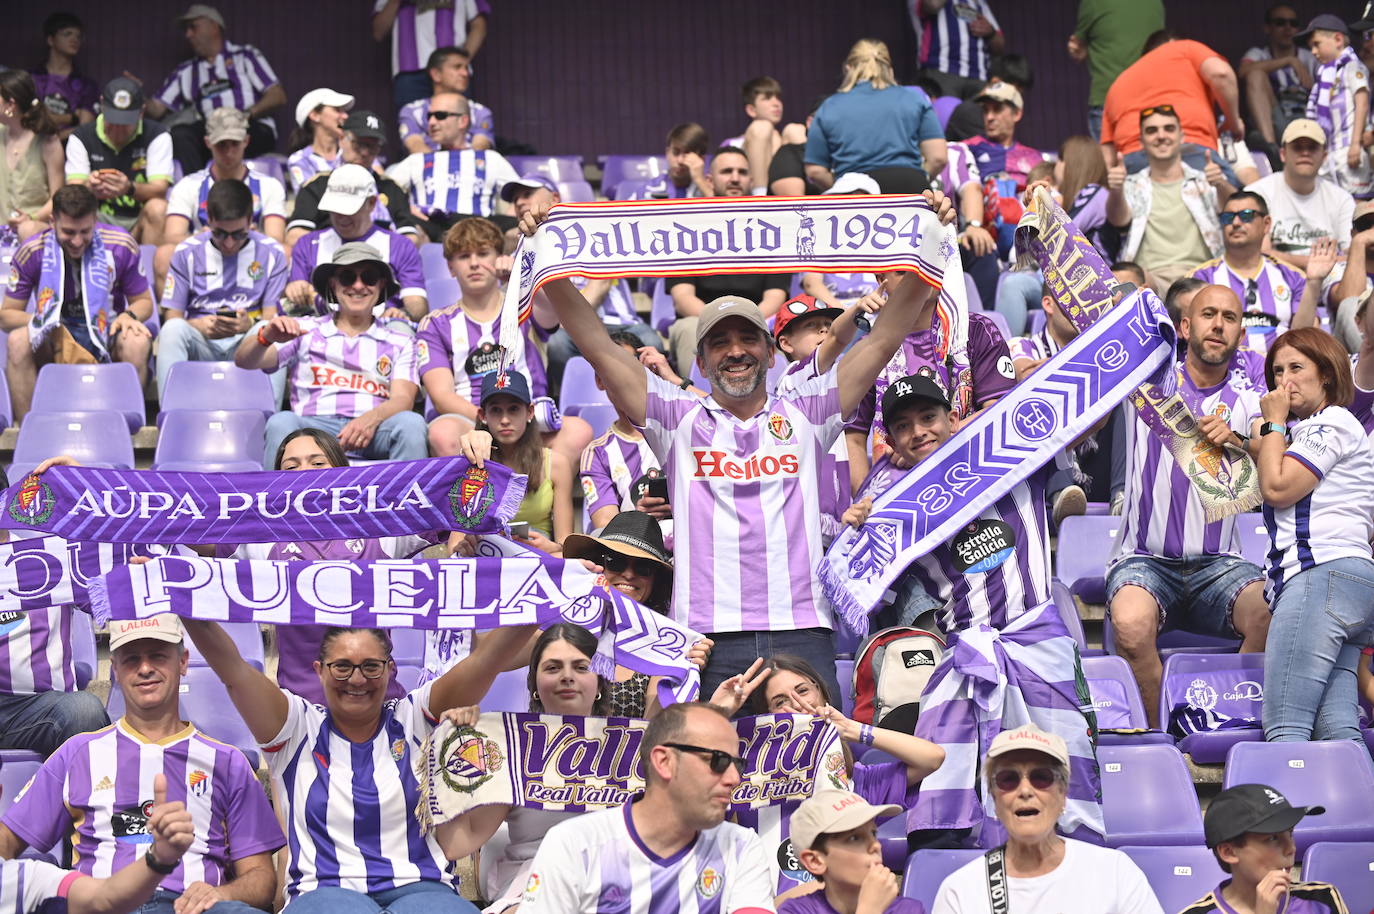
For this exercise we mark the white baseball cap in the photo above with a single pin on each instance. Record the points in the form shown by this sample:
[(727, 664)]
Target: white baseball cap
[(828, 811), (348, 189), (316, 97), (162, 627)]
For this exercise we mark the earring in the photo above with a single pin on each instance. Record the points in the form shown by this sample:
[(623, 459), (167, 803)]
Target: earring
[(598, 694), (534, 696)]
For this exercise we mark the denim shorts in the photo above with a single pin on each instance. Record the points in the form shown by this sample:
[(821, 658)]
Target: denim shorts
[(1195, 594)]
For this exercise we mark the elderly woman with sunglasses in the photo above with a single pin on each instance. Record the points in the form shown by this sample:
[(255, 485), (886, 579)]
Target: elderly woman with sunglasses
[(1028, 774), (349, 373)]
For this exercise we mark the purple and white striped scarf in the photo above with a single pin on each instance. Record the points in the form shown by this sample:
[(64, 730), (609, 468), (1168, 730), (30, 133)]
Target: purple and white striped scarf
[(47, 571), (94, 285), (427, 594), (1324, 82), (151, 506)]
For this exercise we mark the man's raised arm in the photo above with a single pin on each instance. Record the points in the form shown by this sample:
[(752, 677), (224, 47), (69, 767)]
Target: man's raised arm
[(859, 367)]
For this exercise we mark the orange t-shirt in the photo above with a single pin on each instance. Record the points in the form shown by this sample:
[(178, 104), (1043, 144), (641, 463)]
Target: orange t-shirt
[(1171, 74)]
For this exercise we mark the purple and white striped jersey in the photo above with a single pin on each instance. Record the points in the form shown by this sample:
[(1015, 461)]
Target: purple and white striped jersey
[(960, 169), (319, 246), (617, 308), (947, 44), (1247, 371), (237, 77), (836, 491), (424, 26), (610, 465), (997, 566), (201, 280), (333, 374), (34, 651), (305, 163), (1035, 347), (598, 864), (1163, 516), (1336, 519), (187, 197), (454, 181), (448, 338), (26, 884), (413, 120), (1268, 298), (747, 494), (349, 806), (101, 783)]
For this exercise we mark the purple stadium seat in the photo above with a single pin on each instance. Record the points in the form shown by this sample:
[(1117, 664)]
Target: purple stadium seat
[(1262, 164), (1037, 322), (16, 767), (662, 313), (246, 635), (618, 168), (442, 292), (205, 702), (1116, 699), (599, 416), (555, 168), (84, 657), (1254, 538), (844, 675), (975, 303), (1347, 866), (1230, 684), (216, 385), (77, 388), (1085, 544), (211, 441), (408, 645), (944, 108), (1148, 796), (1337, 774), (432, 262), (579, 386), (927, 868), (578, 191), (892, 836), (510, 692), (1176, 641), (1179, 876), (98, 439), (6, 412), (1068, 611)]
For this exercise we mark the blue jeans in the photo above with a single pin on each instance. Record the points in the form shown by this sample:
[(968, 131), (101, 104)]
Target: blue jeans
[(1195, 155), (416, 898), (1095, 121), (561, 347), (162, 901), (178, 341), (734, 651), (402, 437), (410, 85), (42, 722), (1017, 294), (1321, 619)]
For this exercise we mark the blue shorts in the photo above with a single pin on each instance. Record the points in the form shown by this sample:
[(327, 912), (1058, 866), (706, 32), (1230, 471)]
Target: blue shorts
[(1194, 594)]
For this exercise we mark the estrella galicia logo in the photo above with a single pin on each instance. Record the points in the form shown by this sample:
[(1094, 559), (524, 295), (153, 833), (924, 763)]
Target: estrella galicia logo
[(131, 825), (982, 546), (10, 621), (790, 864), (33, 503)]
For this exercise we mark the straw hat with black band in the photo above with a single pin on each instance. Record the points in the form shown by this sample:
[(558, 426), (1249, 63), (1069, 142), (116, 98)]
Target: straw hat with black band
[(633, 534)]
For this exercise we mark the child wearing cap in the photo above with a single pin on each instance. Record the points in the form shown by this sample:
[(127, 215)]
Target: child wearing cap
[(835, 837), (1339, 102), (1249, 828)]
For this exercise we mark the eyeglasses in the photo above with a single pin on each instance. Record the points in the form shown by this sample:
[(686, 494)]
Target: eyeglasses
[(445, 115), (369, 275), (1245, 215), (1008, 779), (219, 234), (1281, 21), (617, 563), (1158, 109), (719, 761), (342, 670), (1363, 224)]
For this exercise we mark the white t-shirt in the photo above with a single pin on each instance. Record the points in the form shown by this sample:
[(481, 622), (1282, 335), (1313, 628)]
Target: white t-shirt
[(1300, 220), (187, 197), (1090, 880), (26, 884)]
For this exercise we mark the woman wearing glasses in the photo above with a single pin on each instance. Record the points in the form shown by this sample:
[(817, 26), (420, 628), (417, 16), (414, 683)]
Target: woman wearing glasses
[(346, 769), (1028, 775), (348, 374)]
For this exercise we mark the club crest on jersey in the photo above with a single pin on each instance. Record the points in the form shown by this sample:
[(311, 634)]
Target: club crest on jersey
[(470, 497), (198, 782), (255, 270), (398, 749), (33, 503), (469, 759), (779, 427), (709, 882), (384, 365)]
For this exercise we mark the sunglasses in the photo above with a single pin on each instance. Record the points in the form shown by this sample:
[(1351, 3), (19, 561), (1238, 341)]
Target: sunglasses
[(618, 564), (1008, 779), (1245, 215), (445, 115), (1280, 22), (1363, 224), (222, 235), (369, 275), (1158, 109), (342, 670), (719, 759)]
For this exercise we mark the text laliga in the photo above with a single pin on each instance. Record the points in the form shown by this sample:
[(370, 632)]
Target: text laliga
[(121, 502), (716, 464)]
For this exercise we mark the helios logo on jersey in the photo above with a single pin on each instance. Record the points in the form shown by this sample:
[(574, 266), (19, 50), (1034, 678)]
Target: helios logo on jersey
[(779, 427), (719, 464), (131, 825), (324, 376)]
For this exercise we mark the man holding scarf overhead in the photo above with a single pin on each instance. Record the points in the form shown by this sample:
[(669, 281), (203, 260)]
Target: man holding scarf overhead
[(91, 297), (745, 464)]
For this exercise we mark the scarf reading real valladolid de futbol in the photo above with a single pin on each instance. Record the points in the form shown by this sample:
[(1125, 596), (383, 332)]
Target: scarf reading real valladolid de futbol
[(829, 234)]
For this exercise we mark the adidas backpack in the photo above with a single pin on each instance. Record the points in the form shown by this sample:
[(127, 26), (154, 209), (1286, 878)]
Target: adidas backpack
[(891, 670)]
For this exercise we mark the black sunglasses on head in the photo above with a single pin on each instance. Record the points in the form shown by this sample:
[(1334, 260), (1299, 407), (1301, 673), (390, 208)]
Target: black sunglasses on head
[(719, 758), (1008, 779), (370, 276)]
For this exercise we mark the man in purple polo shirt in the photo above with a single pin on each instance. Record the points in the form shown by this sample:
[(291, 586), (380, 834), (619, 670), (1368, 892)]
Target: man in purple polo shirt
[(745, 467), (222, 74)]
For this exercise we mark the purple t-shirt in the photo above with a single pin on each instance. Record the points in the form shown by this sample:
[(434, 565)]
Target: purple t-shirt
[(121, 252), (815, 903), (65, 94), (1303, 898)]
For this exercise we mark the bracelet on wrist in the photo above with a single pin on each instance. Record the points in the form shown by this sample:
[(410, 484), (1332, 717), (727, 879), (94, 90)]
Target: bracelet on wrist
[(866, 734), (262, 339)]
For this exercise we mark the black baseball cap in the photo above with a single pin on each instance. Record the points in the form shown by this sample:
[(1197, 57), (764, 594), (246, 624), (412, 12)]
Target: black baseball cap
[(364, 124), (1251, 808), (1326, 22), (912, 389), (122, 102)]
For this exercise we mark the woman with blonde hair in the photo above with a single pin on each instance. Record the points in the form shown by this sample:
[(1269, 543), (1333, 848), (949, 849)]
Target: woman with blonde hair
[(875, 127)]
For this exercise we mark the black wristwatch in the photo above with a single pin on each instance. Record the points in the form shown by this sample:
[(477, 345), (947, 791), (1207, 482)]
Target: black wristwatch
[(1268, 427), (157, 866), (685, 383)]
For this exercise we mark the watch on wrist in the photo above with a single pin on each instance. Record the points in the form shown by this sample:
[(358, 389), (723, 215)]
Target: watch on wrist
[(974, 223), (685, 383), (1268, 427), (157, 866)]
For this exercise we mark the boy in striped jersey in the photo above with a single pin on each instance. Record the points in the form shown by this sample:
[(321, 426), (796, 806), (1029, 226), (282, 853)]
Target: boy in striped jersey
[(103, 784)]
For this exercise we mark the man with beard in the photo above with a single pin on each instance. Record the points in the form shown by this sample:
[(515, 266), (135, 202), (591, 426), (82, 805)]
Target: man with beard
[(729, 178), (642, 857), (745, 466), (1171, 565)]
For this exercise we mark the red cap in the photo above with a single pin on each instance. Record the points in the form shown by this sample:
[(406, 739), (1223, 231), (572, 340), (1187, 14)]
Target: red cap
[(802, 306)]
